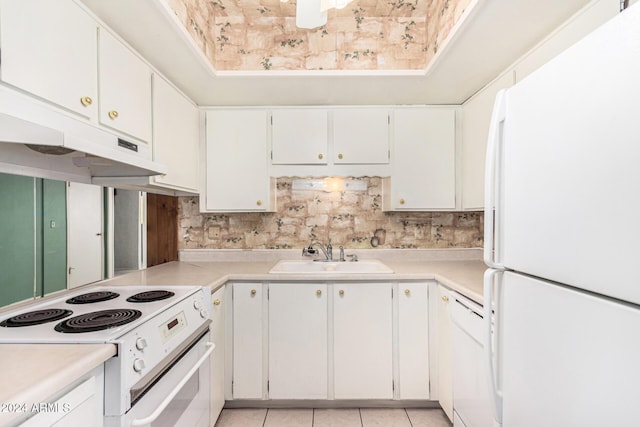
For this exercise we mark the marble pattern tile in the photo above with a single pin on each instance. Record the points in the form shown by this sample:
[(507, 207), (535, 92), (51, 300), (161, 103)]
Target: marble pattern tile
[(382, 417), (242, 418), (350, 218), (352, 417), (428, 418), (365, 35), (336, 418), (289, 418)]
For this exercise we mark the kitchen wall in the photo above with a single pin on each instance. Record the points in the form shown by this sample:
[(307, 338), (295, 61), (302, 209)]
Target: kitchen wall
[(350, 218)]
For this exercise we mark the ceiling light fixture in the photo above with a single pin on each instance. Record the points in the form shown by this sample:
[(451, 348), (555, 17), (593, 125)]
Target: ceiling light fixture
[(313, 13)]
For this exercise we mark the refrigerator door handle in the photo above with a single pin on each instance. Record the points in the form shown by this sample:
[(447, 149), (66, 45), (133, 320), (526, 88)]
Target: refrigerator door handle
[(492, 167), (495, 395)]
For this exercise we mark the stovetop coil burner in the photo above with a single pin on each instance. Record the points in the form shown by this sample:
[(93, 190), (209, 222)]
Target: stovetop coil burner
[(97, 321), (37, 317), (149, 296), (92, 297)]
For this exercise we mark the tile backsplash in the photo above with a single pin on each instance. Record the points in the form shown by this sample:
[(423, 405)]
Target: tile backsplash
[(349, 218)]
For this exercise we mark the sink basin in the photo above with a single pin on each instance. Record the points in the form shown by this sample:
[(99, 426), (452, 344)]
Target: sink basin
[(365, 266)]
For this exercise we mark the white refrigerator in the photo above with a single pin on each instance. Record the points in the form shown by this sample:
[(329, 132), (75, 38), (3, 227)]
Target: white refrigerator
[(562, 238)]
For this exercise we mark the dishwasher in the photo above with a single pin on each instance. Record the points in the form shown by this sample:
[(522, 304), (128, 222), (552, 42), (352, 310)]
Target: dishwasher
[(471, 401)]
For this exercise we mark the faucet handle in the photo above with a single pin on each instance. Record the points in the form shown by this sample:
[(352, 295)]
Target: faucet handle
[(308, 251), (354, 257), (341, 253)]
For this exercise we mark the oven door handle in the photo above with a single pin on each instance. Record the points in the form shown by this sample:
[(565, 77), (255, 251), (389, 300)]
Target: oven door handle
[(155, 414)]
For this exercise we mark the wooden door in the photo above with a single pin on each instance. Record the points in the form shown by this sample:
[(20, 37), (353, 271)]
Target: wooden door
[(162, 229)]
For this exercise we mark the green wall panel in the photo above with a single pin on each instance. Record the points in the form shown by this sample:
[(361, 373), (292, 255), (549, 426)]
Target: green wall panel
[(17, 238), (54, 235)]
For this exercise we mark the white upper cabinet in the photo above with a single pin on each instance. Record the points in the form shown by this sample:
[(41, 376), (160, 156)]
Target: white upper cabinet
[(176, 137), (475, 130), (125, 89), (361, 136), (49, 49), (237, 173), (299, 136), (424, 160)]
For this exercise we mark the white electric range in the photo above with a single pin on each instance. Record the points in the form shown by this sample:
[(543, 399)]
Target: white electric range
[(160, 374)]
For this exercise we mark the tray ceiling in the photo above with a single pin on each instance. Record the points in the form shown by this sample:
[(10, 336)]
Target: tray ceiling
[(252, 35)]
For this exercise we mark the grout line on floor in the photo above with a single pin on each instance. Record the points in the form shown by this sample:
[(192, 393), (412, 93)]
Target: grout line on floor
[(407, 414), (266, 413), (360, 414)]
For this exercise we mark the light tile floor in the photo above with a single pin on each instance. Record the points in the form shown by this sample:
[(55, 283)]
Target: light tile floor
[(364, 417)]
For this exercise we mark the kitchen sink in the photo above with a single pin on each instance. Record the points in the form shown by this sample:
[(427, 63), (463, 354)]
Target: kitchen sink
[(365, 266)]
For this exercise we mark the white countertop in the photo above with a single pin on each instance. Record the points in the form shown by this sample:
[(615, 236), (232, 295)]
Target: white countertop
[(32, 373), (37, 371)]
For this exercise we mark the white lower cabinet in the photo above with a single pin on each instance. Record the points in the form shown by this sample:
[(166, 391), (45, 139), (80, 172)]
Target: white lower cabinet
[(217, 357), (328, 340), (81, 405), (413, 341), (445, 351), (247, 382), (362, 341), (297, 341)]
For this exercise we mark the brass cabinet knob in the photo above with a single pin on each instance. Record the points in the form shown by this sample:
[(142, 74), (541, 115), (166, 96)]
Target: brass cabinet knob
[(402, 201), (253, 291), (445, 298), (86, 101), (340, 156), (318, 292), (259, 203), (216, 302), (407, 292), (113, 114), (341, 292), (320, 156)]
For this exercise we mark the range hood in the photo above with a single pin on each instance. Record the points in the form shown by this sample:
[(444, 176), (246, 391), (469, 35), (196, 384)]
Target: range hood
[(39, 141)]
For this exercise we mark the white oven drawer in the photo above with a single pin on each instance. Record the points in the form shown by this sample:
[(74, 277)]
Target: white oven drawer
[(189, 406)]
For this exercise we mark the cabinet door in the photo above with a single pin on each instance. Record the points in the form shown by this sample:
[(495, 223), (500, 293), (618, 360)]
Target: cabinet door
[(362, 321), (413, 341), (299, 136), (237, 174), (475, 130), (445, 352), (125, 89), (247, 341), (297, 341), (361, 136), (176, 137), (217, 357), (49, 48), (423, 174)]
